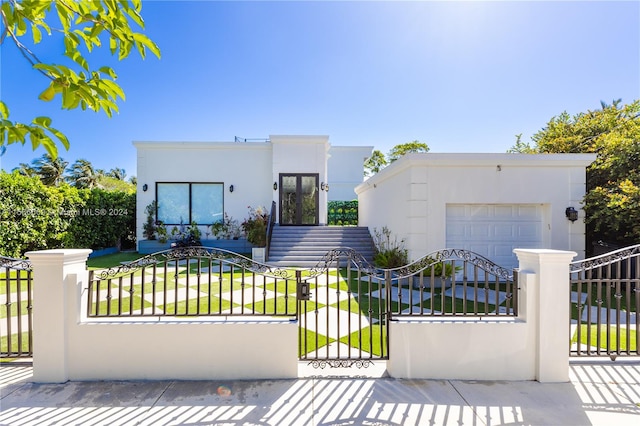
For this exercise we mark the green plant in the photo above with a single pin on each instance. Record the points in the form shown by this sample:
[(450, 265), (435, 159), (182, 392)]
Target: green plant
[(149, 226), (440, 269), (226, 229), (389, 252), (161, 230), (255, 226)]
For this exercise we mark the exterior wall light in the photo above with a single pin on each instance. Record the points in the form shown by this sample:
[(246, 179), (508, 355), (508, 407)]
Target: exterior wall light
[(275, 186), (145, 187), (571, 213), (324, 186), (230, 188)]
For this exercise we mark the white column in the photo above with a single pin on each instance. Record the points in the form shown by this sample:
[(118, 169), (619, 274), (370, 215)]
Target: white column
[(552, 311), (56, 273)]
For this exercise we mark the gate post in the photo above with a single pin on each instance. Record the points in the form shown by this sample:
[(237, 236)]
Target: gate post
[(551, 310), (56, 275)]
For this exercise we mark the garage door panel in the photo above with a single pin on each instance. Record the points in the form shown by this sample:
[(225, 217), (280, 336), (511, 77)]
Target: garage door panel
[(494, 231), (479, 230)]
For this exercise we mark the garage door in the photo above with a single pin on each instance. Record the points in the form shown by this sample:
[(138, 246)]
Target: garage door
[(494, 230)]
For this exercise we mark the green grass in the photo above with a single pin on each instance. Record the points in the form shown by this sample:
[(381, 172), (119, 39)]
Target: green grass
[(204, 304), (12, 280), (125, 305), (369, 339), (112, 260), (607, 296), (14, 344), (307, 342), (14, 310), (631, 345)]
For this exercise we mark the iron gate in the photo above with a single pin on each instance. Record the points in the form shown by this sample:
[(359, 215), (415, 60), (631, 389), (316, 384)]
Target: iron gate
[(17, 298), (605, 295), (345, 304), (343, 313)]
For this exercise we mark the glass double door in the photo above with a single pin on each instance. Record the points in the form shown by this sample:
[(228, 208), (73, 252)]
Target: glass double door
[(298, 199)]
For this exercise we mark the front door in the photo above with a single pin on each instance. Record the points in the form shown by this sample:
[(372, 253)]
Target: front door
[(298, 199)]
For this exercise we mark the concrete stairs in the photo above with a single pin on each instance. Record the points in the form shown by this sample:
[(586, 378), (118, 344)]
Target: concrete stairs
[(304, 246)]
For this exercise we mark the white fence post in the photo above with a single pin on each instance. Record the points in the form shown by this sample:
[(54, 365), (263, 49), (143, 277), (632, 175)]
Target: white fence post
[(551, 310), (54, 271)]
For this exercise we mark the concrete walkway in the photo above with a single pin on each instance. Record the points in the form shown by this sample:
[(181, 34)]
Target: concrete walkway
[(600, 393)]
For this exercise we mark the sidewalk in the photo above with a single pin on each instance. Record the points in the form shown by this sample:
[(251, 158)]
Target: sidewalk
[(600, 393)]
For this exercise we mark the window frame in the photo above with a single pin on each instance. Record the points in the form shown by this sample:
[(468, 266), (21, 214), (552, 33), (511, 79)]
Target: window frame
[(190, 185)]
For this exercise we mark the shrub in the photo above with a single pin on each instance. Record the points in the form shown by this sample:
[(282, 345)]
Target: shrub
[(389, 253)]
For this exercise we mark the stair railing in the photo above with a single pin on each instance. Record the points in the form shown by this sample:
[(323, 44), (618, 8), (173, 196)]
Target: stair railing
[(270, 225)]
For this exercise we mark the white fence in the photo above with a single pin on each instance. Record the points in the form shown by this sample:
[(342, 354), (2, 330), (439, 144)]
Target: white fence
[(70, 346)]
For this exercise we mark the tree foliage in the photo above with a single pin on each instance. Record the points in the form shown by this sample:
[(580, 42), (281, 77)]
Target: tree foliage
[(379, 161), (612, 202), (375, 163), (83, 25), (34, 216), (406, 148)]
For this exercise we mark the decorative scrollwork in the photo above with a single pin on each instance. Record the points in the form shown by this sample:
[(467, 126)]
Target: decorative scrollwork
[(340, 363), (440, 256), (605, 259), (17, 264), (188, 253)]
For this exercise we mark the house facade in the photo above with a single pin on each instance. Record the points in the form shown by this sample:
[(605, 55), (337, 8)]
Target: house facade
[(202, 182), (486, 203)]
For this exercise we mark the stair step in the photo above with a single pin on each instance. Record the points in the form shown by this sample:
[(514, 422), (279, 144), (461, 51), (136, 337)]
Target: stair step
[(307, 245)]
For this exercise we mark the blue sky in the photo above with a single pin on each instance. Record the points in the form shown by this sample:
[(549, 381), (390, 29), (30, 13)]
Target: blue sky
[(459, 76)]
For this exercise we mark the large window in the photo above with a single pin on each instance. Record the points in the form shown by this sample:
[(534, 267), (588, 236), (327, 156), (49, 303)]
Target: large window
[(190, 202)]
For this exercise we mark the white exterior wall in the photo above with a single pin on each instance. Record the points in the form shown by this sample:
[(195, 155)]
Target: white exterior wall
[(70, 346), (301, 154), (346, 170), (245, 165), (251, 167), (530, 347), (411, 195)]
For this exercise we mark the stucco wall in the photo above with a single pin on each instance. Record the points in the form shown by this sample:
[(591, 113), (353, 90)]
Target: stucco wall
[(411, 195), (245, 165), (346, 170)]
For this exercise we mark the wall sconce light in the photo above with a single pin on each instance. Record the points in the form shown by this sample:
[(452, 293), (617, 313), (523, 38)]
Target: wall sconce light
[(145, 187), (230, 188), (324, 186), (275, 186), (571, 213)]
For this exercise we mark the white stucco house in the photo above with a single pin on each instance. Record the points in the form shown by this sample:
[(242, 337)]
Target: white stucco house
[(202, 181), (487, 203)]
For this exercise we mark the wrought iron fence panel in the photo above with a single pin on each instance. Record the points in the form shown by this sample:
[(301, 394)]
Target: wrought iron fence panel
[(605, 295), (343, 312), (451, 283), (192, 281), (17, 316)]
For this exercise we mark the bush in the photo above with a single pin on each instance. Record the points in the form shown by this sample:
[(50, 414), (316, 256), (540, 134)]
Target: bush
[(389, 253), (36, 217), (342, 213), (106, 219)]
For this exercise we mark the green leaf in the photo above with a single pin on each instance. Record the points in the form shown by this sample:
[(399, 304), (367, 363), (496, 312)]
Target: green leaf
[(4, 110), (37, 35), (61, 137), (148, 43), (64, 15), (42, 121), (109, 71), (48, 94)]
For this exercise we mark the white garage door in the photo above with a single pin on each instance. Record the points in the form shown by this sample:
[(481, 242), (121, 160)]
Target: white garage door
[(494, 230)]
